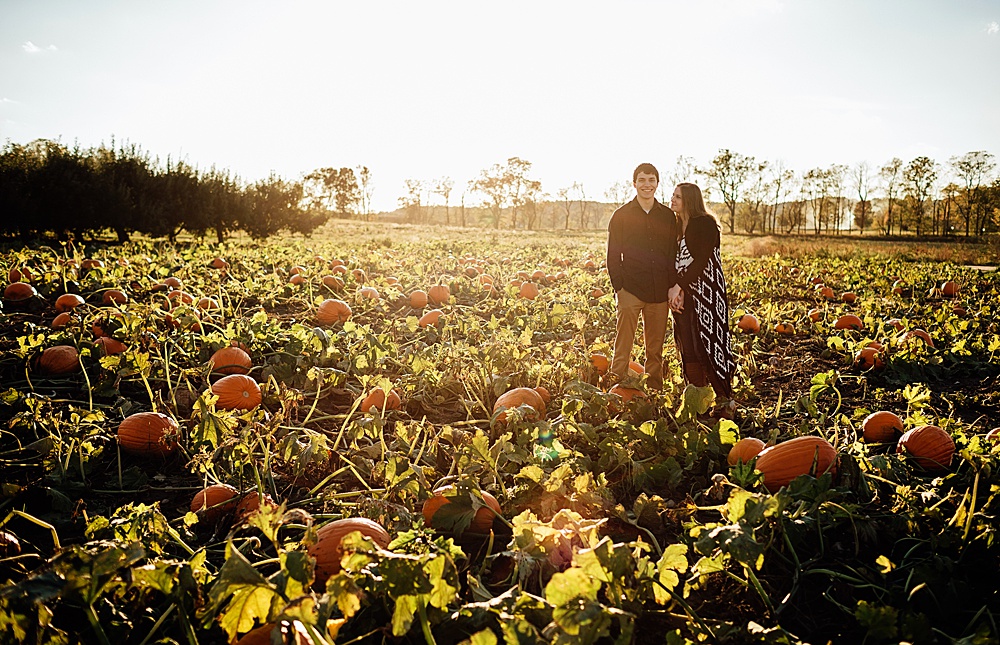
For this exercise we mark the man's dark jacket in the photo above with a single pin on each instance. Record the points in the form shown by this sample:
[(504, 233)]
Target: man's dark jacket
[(642, 248)]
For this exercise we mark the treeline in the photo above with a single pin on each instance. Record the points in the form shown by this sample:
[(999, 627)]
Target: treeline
[(47, 187)]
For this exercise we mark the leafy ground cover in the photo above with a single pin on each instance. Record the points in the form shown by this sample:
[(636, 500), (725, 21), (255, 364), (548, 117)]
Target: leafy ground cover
[(618, 518)]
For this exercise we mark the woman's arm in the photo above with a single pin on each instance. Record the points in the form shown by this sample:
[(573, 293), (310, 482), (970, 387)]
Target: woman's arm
[(702, 237)]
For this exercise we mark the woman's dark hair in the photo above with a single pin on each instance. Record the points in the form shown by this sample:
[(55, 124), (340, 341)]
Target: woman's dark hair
[(693, 202), (647, 168)]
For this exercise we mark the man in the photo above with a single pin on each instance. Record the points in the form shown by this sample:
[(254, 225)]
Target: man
[(642, 249)]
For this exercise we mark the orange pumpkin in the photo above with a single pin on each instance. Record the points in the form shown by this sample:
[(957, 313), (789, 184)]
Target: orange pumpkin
[(114, 297), (180, 297), (439, 294), (148, 434), (485, 278), (109, 346), (744, 450), (208, 304), (949, 289), (869, 358), (482, 522), (515, 398), (19, 291), (600, 363), (528, 290), (92, 264), (68, 302), (636, 368), (377, 400), (19, 274), (930, 446), (544, 393), (218, 263), (231, 360), (359, 276), (333, 282), (328, 552), (920, 334), (879, 427), (828, 293), (993, 436), (214, 501), (371, 293), (784, 329), (249, 504), (297, 280), (172, 282), (815, 315), (626, 393), (849, 297), (849, 321), (237, 392), (784, 462), (748, 324), (332, 311), (895, 323), (61, 359), (430, 318), (262, 635), (62, 320), (418, 299), (596, 292)]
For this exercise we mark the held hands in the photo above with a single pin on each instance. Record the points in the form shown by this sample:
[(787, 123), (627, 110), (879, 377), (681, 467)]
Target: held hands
[(675, 298)]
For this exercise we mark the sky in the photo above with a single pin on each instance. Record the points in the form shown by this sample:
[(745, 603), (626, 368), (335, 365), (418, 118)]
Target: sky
[(428, 89)]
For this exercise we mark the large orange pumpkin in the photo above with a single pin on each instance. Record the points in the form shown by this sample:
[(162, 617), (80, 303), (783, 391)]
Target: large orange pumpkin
[(439, 294), (529, 290), (68, 302), (949, 289), (62, 320), (114, 297), (148, 434), (61, 359), (930, 446), (784, 329), (19, 291), (328, 552), (430, 318), (626, 393), (993, 436), (481, 523), (869, 358), (332, 311), (231, 360), (882, 426), (600, 363), (849, 321), (237, 392), (109, 346), (262, 635), (19, 274), (515, 398), (849, 297), (370, 293), (218, 263), (376, 400), (748, 324), (921, 334), (782, 463), (214, 501), (744, 450)]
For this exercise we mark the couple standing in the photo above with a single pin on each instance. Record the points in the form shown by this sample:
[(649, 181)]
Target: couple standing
[(667, 259)]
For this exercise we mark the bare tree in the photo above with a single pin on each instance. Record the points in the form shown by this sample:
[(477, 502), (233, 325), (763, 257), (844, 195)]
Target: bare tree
[(366, 190), (581, 195), (779, 187), (755, 196), (728, 173), (566, 202), (618, 193), (836, 176), (443, 187), (683, 170), (891, 175), (411, 202), (861, 178)]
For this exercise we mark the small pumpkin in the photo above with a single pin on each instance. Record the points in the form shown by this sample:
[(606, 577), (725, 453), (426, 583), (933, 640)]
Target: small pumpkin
[(949, 289), (600, 363), (231, 360), (332, 311), (895, 323), (849, 321), (327, 550), (19, 274), (377, 400), (869, 358), (636, 368), (19, 292), (359, 276), (993, 436), (882, 426), (849, 297), (544, 393), (828, 293), (214, 501), (262, 635), (62, 320), (418, 299), (68, 302), (430, 318), (748, 324), (148, 434), (90, 263), (172, 282), (370, 293), (249, 504), (782, 463), (515, 398), (626, 393), (58, 360), (744, 450), (815, 315), (218, 263), (208, 304), (237, 392), (482, 522), (921, 335), (113, 297), (333, 282), (784, 329), (439, 294), (930, 446), (528, 291), (109, 346)]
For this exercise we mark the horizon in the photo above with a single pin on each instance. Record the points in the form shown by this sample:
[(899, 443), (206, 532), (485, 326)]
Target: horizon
[(256, 89)]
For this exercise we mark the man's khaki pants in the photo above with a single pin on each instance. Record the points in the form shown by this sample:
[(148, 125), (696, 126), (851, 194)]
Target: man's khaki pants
[(654, 322)]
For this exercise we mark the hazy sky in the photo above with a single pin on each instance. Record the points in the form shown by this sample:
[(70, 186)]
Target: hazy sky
[(583, 90)]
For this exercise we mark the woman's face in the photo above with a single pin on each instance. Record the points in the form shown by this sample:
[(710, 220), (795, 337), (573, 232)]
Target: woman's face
[(676, 201)]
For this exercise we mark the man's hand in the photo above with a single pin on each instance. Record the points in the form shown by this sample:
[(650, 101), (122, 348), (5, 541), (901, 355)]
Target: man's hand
[(675, 298)]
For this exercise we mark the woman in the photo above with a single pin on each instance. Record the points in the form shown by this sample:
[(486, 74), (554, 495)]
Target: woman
[(701, 314)]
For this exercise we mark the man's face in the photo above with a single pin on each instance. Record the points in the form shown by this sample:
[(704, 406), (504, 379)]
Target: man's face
[(645, 185)]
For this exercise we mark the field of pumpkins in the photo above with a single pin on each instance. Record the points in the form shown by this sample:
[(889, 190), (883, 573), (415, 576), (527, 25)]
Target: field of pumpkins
[(406, 435)]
